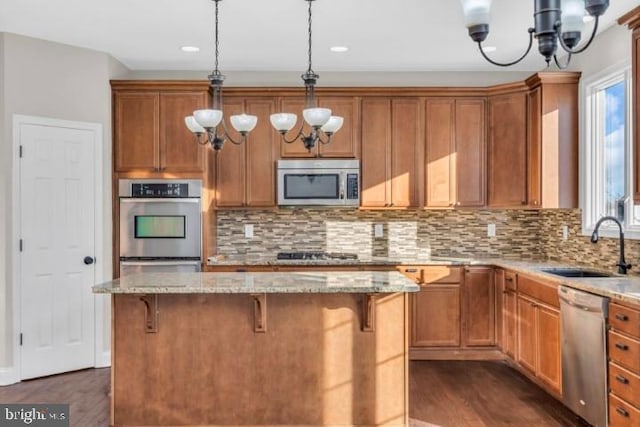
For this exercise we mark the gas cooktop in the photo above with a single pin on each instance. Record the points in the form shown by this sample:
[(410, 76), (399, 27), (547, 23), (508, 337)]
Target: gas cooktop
[(316, 256)]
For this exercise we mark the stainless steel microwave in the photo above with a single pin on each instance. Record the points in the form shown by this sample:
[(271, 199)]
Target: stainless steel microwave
[(319, 182)]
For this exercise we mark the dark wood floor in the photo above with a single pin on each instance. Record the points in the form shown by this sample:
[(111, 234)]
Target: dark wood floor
[(447, 394)]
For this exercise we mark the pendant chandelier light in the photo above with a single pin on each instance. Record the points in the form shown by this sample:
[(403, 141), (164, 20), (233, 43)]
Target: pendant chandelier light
[(556, 22), (322, 123), (206, 122)]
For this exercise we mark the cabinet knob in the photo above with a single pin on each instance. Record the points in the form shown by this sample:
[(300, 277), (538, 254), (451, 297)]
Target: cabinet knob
[(535, 203), (622, 317), (622, 379), (622, 412), (411, 270), (523, 202), (622, 347), (457, 203), (390, 204)]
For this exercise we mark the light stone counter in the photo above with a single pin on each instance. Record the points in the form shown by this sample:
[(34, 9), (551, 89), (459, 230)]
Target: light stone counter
[(362, 261), (250, 283)]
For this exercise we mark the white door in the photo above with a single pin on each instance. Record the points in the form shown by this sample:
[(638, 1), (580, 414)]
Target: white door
[(57, 229)]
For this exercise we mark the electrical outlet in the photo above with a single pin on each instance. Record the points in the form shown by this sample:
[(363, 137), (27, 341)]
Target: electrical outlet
[(248, 231), (378, 230), (491, 230), (565, 232)]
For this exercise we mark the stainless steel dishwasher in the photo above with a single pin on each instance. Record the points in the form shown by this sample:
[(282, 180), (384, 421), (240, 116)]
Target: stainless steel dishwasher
[(584, 354)]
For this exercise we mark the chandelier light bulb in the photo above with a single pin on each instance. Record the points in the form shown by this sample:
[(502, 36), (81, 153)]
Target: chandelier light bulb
[(244, 123), (333, 125), (476, 12), (316, 117), (193, 125), (208, 118), (572, 15), (283, 122)]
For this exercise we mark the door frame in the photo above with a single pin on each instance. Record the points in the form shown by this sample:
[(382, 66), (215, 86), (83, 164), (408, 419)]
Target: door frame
[(100, 358)]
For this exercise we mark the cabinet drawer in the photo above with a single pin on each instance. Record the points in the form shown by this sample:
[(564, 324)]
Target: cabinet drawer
[(545, 292), (624, 351), (442, 274), (510, 280), (624, 319), (412, 272), (624, 384), (622, 414)]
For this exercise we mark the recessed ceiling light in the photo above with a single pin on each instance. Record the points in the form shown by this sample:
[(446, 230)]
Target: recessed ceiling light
[(190, 49), (487, 49), (587, 18), (338, 49)]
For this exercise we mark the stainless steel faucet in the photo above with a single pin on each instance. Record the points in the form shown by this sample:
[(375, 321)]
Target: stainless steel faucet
[(622, 264)]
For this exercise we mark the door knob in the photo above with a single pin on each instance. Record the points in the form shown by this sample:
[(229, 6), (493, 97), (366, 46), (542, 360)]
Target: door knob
[(89, 260)]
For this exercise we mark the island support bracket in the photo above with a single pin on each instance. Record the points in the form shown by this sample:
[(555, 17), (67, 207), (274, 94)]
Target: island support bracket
[(259, 312), (369, 312), (150, 313)]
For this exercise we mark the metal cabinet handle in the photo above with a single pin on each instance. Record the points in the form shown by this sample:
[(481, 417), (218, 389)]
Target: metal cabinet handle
[(622, 317), (509, 279), (622, 347), (622, 412), (410, 270), (622, 379)]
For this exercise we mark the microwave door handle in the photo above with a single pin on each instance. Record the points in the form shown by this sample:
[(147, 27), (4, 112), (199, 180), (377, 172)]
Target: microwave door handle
[(155, 200), (343, 183), (146, 263)]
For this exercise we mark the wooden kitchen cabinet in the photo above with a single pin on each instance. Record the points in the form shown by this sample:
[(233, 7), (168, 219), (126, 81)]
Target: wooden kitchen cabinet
[(507, 150), (246, 174), (344, 143), (390, 152), (548, 346), (149, 130), (455, 152), (527, 333), (552, 150), (478, 320), (509, 323), (435, 316)]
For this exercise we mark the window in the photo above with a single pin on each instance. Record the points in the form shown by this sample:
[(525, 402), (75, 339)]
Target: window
[(607, 169)]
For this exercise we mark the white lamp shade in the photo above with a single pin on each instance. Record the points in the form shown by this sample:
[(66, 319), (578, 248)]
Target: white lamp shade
[(333, 125), (316, 117), (572, 15), (192, 125), (476, 12), (244, 122), (208, 118), (283, 122)]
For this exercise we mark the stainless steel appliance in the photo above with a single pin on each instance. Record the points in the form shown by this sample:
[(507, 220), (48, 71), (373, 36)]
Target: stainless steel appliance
[(160, 225), (584, 354), (318, 182)]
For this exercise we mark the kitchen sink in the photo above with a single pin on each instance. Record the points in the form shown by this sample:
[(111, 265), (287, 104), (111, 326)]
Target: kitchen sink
[(575, 272)]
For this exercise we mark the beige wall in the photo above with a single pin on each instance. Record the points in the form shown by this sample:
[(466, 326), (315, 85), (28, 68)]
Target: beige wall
[(52, 80), (610, 47)]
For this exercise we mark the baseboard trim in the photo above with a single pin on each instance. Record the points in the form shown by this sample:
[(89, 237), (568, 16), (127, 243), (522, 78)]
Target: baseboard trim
[(8, 376), (455, 354)]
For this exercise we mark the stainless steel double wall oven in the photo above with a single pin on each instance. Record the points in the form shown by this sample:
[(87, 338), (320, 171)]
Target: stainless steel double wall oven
[(160, 225)]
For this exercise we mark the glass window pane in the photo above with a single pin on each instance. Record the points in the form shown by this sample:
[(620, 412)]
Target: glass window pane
[(613, 116)]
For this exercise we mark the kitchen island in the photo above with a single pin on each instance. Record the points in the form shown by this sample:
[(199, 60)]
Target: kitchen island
[(312, 348)]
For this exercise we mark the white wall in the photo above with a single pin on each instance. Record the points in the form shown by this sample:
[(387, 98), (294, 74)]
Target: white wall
[(42, 78)]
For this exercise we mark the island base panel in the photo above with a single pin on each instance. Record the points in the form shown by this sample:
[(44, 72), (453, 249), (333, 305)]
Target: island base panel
[(313, 365)]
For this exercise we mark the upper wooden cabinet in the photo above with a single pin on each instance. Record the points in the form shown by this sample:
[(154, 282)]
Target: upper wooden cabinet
[(344, 143), (149, 130), (391, 148), (455, 152), (507, 150), (246, 173), (552, 153)]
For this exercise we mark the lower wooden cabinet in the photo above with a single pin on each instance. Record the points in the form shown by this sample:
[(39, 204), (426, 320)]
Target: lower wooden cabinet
[(509, 322), (435, 316), (526, 333), (478, 320)]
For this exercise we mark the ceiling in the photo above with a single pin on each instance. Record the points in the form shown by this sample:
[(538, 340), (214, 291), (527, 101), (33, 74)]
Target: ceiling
[(271, 35)]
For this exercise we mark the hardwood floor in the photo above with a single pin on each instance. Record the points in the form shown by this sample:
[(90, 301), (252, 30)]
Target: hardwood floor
[(443, 393)]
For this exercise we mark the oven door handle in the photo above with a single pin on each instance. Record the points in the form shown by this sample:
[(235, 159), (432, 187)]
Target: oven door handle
[(147, 263), (155, 200)]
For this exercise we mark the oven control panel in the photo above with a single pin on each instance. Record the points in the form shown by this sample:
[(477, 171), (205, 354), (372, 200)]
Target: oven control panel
[(149, 189)]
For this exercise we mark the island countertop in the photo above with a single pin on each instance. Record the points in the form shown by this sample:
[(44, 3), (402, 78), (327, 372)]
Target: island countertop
[(268, 282)]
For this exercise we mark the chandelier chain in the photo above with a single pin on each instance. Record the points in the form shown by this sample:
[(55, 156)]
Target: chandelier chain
[(310, 71), (217, 46)]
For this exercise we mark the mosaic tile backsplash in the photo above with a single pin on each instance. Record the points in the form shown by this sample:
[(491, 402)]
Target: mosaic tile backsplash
[(418, 234)]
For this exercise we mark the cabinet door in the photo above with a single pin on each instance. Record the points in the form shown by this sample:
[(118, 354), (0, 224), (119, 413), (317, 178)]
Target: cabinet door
[(439, 146), (230, 164), (295, 149), (344, 143), (509, 323), (406, 123), (527, 334), (479, 309), (498, 283), (507, 150), (261, 152), (435, 316), (376, 152), (136, 117), (179, 152), (534, 148), (470, 151), (548, 340)]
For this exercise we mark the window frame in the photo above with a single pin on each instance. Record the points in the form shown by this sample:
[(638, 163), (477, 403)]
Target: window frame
[(591, 170)]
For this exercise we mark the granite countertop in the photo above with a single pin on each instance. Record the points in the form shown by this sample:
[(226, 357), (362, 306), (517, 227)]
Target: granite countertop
[(249, 283), (362, 261)]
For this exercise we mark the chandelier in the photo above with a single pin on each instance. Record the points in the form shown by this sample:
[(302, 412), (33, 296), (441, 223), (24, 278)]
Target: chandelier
[(206, 122), (320, 120), (556, 22)]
